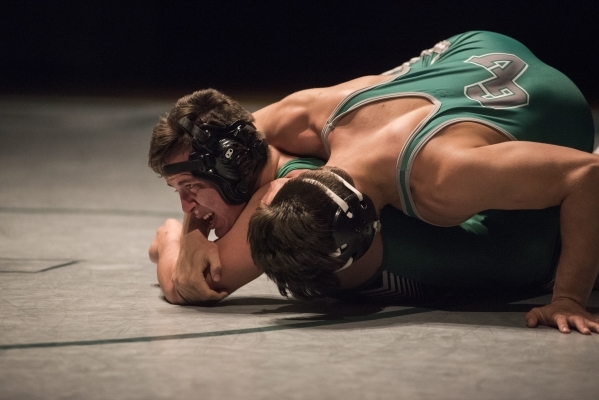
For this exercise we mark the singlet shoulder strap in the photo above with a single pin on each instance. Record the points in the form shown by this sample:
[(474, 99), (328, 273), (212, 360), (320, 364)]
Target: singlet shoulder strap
[(345, 106), (299, 163)]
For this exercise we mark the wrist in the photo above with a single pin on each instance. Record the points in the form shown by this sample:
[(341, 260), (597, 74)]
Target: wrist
[(193, 239), (167, 248), (566, 298), (195, 224)]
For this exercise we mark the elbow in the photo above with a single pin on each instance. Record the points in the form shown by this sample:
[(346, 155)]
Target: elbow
[(169, 291), (583, 182), (594, 169), (440, 197), (591, 176), (172, 296)]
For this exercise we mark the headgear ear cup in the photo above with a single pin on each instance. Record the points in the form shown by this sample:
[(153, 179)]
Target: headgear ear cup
[(354, 225), (231, 157)]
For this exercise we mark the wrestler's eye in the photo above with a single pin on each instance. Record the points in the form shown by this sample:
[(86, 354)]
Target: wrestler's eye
[(191, 188)]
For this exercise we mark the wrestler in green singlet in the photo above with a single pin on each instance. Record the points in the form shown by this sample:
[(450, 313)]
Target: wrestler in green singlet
[(494, 80)]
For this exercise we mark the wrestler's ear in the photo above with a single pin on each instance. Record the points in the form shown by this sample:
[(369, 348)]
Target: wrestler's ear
[(273, 189)]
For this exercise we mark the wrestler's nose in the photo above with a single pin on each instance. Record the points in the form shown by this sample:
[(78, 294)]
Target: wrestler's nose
[(188, 203)]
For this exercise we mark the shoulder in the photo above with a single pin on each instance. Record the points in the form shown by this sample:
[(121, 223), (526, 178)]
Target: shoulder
[(270, 190), (293, 124), (438, 182), (313, 106)]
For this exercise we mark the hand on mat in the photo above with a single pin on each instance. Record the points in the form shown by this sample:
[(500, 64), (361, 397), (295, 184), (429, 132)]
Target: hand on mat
[(563, 314), (198, 267)]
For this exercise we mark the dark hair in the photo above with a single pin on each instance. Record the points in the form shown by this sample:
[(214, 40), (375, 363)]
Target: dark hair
[(291, 240), (169, 139)]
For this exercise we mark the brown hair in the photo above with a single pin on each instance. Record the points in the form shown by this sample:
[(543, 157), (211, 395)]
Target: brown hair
[(291, 240), (169, 139)]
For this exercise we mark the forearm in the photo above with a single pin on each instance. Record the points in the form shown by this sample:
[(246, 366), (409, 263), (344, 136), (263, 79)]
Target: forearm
[(194, 241), (191, 223), (189, 266), (205, 268), (579, 260), (238, 268), (165, 267), (527, 175)]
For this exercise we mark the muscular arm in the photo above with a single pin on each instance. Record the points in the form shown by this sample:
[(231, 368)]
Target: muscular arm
[(175, 251), (164, 251), (526, 175), (187, 262), (237, 267), (293, 124)]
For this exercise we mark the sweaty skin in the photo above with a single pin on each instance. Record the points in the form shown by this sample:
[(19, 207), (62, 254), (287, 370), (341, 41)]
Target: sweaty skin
[(189, 266), (464, 169), (463, 160), (201, 198)]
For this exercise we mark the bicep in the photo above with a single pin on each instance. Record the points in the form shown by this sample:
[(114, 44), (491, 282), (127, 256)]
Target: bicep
[(509, 176), (289, 125)]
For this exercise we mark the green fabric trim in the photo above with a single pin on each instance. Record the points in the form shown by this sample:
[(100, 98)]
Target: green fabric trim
[(299, 163)]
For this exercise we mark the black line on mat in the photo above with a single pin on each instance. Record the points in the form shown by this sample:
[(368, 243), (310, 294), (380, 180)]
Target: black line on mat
[(66, 264), (143, 339), (80, 211)]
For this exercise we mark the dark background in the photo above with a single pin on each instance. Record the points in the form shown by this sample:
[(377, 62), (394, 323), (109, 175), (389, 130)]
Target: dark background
[(155, 47)]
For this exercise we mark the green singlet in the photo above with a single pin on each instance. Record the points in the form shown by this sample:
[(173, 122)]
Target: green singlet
[(299, 163), (494, 80)]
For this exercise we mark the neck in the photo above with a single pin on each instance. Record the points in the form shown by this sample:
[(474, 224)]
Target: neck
[(365, 181), (275, 161), (370, 188)]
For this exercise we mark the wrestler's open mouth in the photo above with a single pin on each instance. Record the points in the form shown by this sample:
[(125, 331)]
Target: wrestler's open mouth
[(209, 217)]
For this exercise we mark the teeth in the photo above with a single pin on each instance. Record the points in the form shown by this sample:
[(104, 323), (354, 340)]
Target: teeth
[(208, 216)]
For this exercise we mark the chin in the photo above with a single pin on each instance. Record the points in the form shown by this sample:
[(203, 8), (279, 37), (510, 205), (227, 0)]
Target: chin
[(220, 232)]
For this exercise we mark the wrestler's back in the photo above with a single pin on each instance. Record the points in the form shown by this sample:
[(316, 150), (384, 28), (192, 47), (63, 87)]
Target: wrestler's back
[(295, 124), (365, 140)]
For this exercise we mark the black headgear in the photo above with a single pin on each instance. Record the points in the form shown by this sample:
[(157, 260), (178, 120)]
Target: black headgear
[(231, 157), (354, 225)]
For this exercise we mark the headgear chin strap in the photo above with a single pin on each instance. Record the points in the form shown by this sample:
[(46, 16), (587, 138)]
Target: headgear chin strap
[(354, 225), (229, 156)]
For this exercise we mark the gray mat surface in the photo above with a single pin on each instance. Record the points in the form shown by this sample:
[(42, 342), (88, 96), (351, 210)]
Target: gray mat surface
[(81, 316)]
